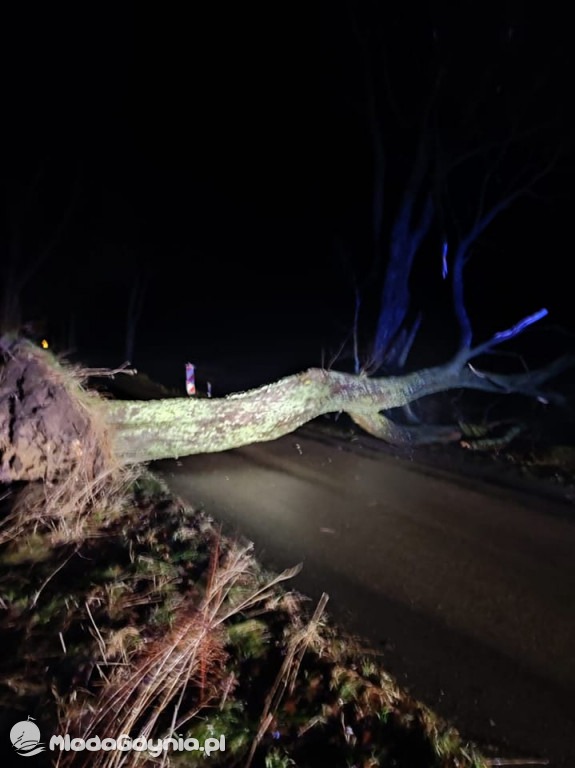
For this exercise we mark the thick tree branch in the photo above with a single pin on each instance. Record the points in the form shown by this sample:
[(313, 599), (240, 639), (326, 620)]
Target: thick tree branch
[(506, 335), (48, 425), (380, 426), (170, 428)]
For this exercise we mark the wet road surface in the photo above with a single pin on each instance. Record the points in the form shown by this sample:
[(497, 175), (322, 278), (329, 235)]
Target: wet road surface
[(467, 589)]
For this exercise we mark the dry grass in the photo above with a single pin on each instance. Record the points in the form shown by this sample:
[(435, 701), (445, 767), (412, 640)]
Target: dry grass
[(96, 481), (70, 510), (304, 637), (191, 658)]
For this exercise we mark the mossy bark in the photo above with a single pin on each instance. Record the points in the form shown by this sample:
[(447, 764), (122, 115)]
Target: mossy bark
[(49, 425), (178, 427)]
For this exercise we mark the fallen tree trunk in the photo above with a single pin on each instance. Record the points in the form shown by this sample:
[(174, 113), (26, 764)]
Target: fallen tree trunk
[(179, 427), (49, 426)]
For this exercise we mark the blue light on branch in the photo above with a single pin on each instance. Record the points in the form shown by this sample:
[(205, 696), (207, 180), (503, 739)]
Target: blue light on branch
[(519, 327), (444, 260)]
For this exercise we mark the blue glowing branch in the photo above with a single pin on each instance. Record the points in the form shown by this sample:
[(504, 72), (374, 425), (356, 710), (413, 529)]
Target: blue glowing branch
[(466, 354), (395, 299), (519, 188), (509, 333), (519, 327), (409, 230), (462, 256)]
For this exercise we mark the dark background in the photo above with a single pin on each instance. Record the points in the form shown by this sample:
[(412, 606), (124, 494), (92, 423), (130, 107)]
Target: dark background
[(223, 154)]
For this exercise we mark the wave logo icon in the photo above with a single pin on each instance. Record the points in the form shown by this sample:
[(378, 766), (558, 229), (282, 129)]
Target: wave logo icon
[(25, 738)]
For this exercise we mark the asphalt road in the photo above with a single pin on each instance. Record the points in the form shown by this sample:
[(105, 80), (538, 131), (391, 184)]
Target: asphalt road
[(469, 590)]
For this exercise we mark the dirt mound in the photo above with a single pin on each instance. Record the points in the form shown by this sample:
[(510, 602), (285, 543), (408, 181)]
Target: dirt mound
[(49, 426)]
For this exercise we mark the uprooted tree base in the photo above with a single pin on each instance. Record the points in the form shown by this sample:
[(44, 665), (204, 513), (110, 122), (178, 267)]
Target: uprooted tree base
[(51, 428)]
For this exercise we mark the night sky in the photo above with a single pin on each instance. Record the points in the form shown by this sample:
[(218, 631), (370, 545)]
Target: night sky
[(223, 154)]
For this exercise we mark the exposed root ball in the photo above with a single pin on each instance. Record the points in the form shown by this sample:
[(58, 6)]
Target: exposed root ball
[(49, 426)]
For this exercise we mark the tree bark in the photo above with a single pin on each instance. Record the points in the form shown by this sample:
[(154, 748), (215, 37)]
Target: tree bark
[(50, 427), (145, 431)]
